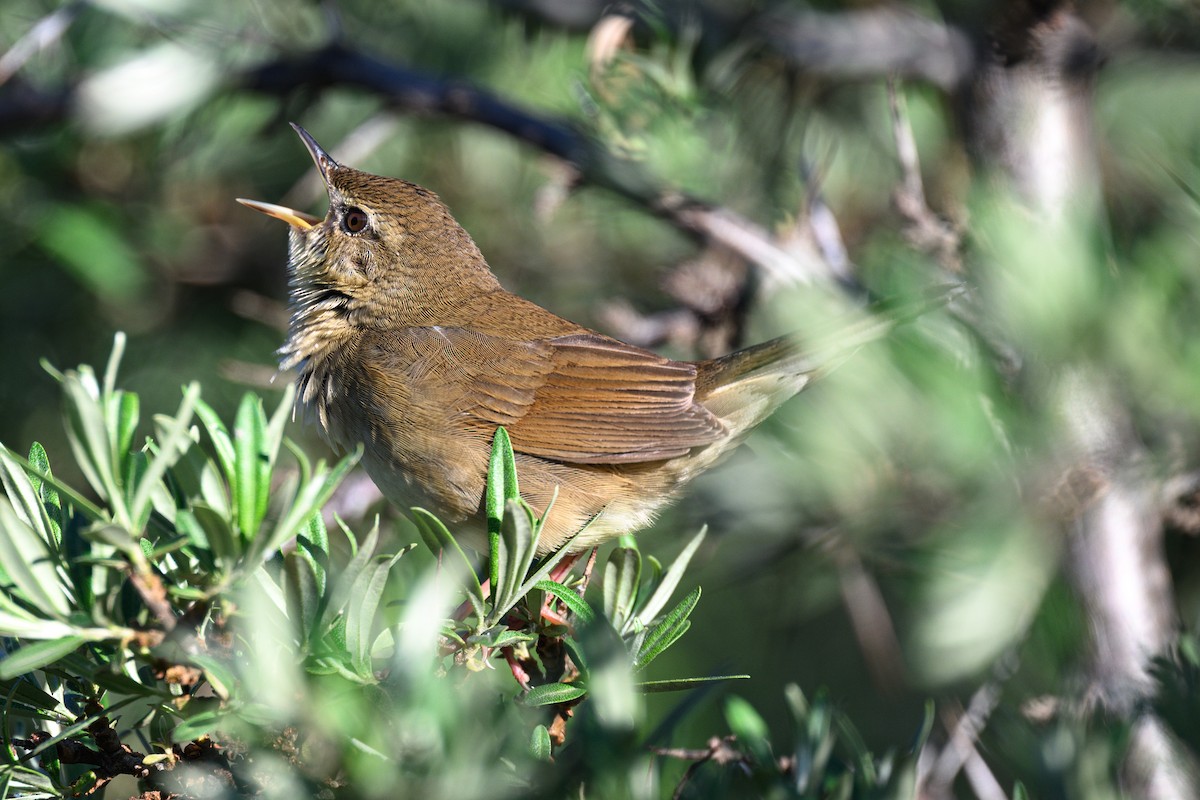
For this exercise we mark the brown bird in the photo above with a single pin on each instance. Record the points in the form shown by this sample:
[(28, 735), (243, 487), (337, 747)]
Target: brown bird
[(405, 341)]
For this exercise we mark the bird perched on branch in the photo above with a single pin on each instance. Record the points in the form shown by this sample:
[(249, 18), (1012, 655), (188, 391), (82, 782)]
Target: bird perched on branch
[(405, 341)]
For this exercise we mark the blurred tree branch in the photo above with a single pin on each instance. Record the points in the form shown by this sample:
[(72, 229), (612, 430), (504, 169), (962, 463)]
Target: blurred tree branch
[(868, 43), (1028, 117)]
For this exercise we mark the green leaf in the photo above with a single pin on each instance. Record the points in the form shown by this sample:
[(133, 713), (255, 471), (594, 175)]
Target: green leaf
[(215, 530), (312, 544), (174, 438), (500, 636), (197, 725), (572, 599), (744, 721), (347, 580), (219, 435), (127, 413), (33, 656), (439, 541), (539, 743), (251, 488), (40, 461), (114, 364), (219, 674), (303, 597), (622, 574), (815, 739), (310, 498), (501, 488), (549, 563), (81, 503), (666, 632), (552, 693), (360, 615), (685, 684), (19, 622), (26, 498), (26, 558), (90, 441), (663, 592), (515, 556)]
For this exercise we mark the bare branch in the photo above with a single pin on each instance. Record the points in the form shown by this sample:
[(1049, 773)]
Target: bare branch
[(926, 231), (869, 43), (44, 33)]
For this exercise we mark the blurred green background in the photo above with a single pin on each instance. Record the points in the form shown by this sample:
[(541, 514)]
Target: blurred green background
[(906, 491)]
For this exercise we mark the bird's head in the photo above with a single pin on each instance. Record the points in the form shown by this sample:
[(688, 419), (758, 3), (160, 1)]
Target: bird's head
[(387, 252)]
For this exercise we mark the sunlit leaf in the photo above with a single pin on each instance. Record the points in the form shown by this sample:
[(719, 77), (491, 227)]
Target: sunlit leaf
[(666, 632), (552, 693), (36, 655)]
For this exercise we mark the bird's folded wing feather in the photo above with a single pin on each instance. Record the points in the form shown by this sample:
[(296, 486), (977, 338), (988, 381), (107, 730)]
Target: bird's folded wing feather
[(581, 398)]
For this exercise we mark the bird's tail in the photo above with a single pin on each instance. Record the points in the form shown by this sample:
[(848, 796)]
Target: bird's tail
[(777, 369)]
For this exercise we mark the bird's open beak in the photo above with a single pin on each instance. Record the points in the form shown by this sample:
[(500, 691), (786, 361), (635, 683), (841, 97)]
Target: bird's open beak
[(297, 219), (291, 216), (324, 163)]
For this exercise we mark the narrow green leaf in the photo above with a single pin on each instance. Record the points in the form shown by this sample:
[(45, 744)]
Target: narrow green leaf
[(685, 684), (500, 489), (311, 497), (197, 725), (500, 636), (516, 556), (439, 541), (312, 543), (849, 735), (666, 632), (89, 438), (29, 657), (622, 575), (114, 363), (576, 653), (502, 478), (744, 721), (40, 461), (25, 496), (572, 600), (663, 592), (127, 414), (347, 580), (251, 488), (29, 563), (303, 597), (278, 421), (218, 434), (174, 439), (550, 562), (552, 693), (539, 743), (360, 615), (218, 673), (219, 535), (20, 623), (113, 535)]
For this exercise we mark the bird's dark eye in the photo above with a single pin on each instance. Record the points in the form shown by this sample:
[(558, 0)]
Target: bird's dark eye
[(354, 220)]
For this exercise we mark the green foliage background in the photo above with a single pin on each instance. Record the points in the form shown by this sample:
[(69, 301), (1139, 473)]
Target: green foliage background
[(916, 464)]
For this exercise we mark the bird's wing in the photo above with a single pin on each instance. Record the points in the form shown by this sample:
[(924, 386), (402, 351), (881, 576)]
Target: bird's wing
[(582, 398)]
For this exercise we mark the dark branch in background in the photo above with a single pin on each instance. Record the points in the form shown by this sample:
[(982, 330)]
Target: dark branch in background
[(858, 44), (415, 91), (24, 108)]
